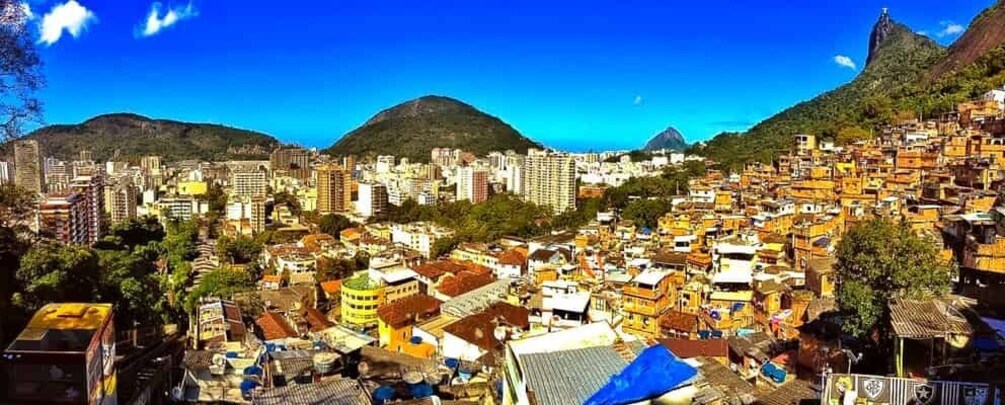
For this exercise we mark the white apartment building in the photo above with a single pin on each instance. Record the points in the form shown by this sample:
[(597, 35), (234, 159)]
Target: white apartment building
[(248, 183), (549, 179), (373, 199)]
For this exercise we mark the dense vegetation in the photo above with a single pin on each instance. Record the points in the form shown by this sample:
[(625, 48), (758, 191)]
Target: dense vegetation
[(120, 269), (642, 199), (413, 128), (879, 260), (895, 86), (133, 136)]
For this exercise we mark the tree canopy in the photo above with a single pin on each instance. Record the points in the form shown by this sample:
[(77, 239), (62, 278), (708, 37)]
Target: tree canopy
[(879, 260)]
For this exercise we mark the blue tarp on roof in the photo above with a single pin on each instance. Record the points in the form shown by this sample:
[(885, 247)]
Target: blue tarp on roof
[(655, 372), (997, 324)]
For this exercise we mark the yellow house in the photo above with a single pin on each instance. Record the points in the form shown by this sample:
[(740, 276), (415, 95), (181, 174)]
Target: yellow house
[(360, 299), (192, 187), (397, 319)]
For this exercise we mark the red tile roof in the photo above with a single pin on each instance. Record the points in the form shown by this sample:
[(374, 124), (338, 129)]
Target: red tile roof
[(687, 349), (479, 329), (513, 257), (438, 268), (274, 326), (409, 309), (679, 321), (463, 283), (316, 319)]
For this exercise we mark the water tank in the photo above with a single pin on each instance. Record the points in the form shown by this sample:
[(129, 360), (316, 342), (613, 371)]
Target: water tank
[(324, 362)]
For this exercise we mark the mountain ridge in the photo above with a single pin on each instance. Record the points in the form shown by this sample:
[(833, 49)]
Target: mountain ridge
[(127, 135)]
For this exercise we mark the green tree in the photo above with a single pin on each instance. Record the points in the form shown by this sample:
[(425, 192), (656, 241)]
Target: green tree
[(238, 250), (223, 283), (136, 232), (52, 272), (333, 224), (878, 260), (289, 200), (851, 134), (443, 246), (333, 269), (646, 212)]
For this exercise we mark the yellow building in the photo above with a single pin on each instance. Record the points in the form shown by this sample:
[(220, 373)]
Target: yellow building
[(75, 339), (645, 300), (397, 319), (192, 187), (476, 253), (360, 299)]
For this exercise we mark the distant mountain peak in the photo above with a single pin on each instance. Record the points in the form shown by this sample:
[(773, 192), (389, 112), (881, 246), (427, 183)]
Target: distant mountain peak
[(412, 128), (670, 138), (880, 33)]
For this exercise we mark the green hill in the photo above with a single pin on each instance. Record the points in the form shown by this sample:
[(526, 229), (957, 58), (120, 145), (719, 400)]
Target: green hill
[(907, 75), (129, 136), (411, 129)]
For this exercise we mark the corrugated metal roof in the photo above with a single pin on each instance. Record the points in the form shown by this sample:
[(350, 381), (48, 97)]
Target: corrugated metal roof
[(334, 391), (926, 319), (570, 376)]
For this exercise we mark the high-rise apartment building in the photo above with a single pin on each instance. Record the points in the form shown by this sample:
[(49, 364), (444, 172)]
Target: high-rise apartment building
[(57, 175), (334, 189), (549, 179), (248, 182), (151, 164), (92, 190), (472, 184), (373, 199), (349, 163), (120, 199), (258, 214), (28, 166), (64, 217), (292, 162)]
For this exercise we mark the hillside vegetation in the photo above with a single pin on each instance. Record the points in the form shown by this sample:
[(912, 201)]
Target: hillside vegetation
[(908, 76), (130, 136), (411, 129)]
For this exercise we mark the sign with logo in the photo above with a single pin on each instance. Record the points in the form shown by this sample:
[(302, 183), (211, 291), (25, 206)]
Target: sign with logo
[(924, 393), (872, 388), (876, 390)]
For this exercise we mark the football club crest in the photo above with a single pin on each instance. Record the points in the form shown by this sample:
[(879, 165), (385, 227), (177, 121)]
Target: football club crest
[(924, 393), (872, 388)]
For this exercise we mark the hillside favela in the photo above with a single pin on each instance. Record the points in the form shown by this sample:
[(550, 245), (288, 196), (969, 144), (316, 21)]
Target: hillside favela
[(526, 203)]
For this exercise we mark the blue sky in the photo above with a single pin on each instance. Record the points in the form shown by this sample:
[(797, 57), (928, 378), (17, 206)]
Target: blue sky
[(574, 75)]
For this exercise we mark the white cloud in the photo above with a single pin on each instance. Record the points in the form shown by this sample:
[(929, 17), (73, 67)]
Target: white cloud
[(950, 28), (845, 61), (637, 101), (922, 33), (70, 16), (156, 22)]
